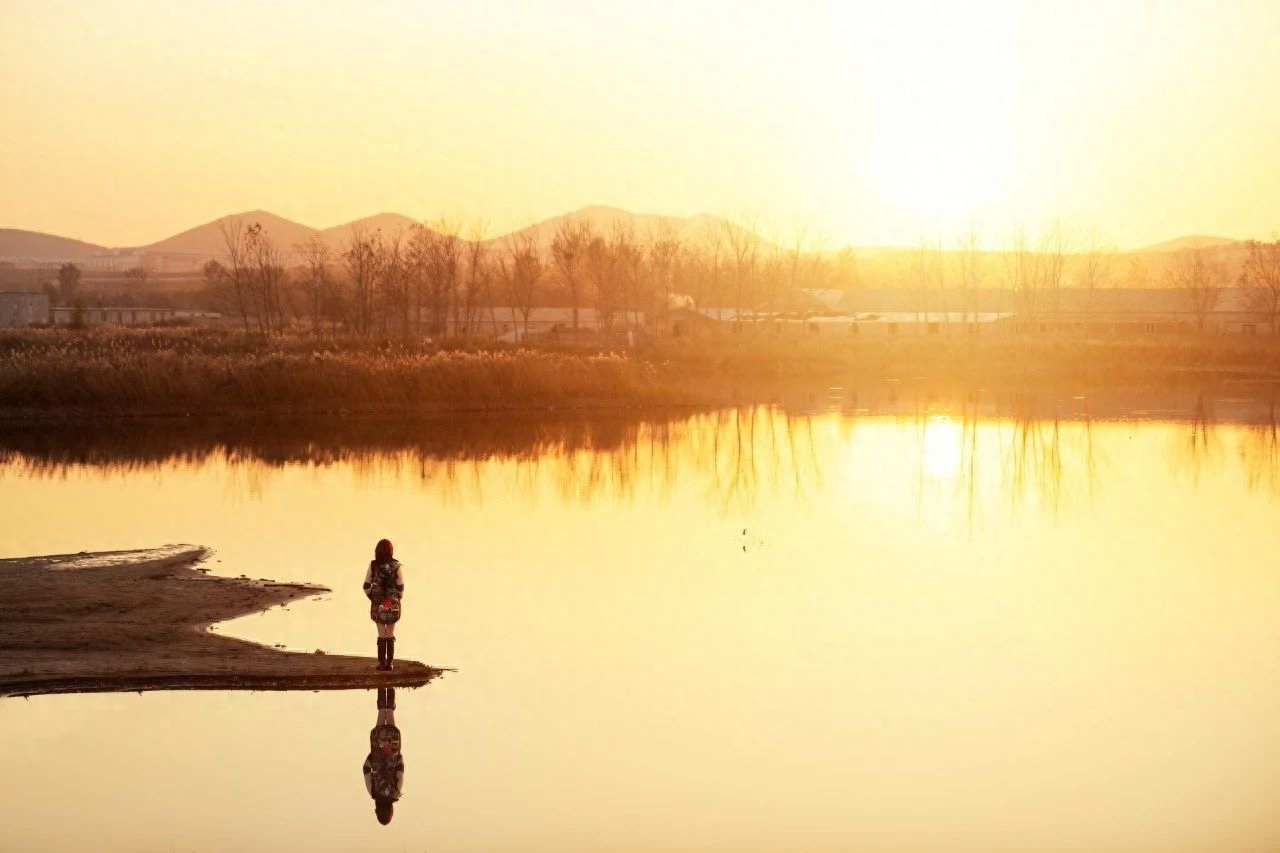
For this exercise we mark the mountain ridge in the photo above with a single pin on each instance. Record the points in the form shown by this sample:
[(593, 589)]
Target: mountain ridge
[(206, 238)]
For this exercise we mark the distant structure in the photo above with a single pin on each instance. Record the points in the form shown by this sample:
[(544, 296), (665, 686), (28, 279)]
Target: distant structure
[(98, 315), (551, 325), (23, 308), (895, 311)]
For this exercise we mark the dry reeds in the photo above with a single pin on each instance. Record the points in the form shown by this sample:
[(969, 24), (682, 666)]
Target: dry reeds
[(177, 370), (217, 370)]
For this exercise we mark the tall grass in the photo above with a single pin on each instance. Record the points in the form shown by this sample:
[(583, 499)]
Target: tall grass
[(214, 370), (176, 370)]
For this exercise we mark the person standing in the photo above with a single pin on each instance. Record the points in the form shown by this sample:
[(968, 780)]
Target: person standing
[(384, 585)]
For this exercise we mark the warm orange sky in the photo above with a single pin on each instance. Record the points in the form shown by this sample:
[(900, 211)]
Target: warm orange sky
[(126, 121)]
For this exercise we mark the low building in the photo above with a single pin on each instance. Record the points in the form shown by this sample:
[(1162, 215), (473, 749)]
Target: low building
[(99, 315), (759, 323), (196, 318), (1105, 311), (509, 324), (23, 308)]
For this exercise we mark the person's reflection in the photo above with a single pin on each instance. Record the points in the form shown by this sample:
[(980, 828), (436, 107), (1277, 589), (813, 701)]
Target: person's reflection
[(384, 768)]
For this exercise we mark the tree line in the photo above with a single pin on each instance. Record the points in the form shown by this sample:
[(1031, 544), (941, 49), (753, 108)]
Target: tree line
[(446, 279)]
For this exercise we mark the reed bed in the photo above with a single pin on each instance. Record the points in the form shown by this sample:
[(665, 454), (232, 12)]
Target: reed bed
[(119, 370), (175, 370)]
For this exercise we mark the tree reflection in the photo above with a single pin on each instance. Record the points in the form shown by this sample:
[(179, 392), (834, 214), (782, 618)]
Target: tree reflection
[(981, 450), (732, 455), (1260, 455), (1040, 457), (1198, 448)]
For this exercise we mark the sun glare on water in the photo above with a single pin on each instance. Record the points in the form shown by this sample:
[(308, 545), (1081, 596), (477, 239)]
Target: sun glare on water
[(941, 448)]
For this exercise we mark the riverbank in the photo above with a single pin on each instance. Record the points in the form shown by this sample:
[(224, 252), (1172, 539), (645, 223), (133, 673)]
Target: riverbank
[(138, 620), (120, 371)]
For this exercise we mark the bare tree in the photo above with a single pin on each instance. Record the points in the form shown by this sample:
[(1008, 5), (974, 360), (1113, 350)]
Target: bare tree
[(434, 272), (568, 257), (743, 244), (793, 261), (1260, 277), (446, 274), (419, 259), (477, 280), (1096, 267), (266, 275), (1135, 274), (1020, 269), (522, 271), (772, 278), (450, 256), (663, 252), (971, 271), (68, 282), (237, 270), (213, 274), (1198, 276), (317, 278), (135, 277), (1051, 261), (709, 263), (361, 261), (630, 268), (603, 270), (393, 284), (924, 265)]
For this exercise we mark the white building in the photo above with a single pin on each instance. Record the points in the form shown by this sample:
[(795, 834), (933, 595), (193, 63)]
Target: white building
[(24, 308), (98, 315)]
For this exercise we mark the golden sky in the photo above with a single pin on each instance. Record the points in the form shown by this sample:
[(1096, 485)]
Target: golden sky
[(875, 123)]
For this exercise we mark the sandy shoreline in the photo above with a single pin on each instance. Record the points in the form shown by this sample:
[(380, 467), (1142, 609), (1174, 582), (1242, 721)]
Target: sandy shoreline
[(137, 620)]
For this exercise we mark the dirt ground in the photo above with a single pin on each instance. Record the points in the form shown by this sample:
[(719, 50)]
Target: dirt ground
[(137, 620)]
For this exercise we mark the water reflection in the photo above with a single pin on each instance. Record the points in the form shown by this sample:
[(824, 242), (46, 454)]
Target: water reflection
[(1087, 664), (1198, 449), (980, 452), (384, 768), (1259, 452)]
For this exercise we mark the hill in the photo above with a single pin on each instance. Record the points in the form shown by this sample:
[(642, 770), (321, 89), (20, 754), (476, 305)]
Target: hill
[(207, 239), (16, 243), (337, 236), (690, 229), (1191, 241)]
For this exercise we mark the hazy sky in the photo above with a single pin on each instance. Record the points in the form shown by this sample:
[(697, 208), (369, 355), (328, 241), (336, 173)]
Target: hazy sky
[(122, 122)]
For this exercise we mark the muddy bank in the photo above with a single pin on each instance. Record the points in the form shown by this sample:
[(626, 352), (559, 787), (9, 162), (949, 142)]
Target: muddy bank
[(137, 620)]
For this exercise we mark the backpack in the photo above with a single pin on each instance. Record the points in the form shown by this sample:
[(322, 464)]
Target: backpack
[(384, 598)]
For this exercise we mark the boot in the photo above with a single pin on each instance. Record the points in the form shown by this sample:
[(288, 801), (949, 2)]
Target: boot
[(391, 652), (391, 699), (382, 653), (382, 698)]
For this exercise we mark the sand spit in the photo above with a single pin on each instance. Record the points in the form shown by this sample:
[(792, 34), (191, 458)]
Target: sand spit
[(138, 620)]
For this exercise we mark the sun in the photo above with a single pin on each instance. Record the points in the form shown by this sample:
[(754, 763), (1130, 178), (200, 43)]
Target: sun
[(941, 133)]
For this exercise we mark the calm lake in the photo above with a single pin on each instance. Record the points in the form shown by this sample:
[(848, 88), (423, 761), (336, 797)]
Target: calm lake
[(888, 623)]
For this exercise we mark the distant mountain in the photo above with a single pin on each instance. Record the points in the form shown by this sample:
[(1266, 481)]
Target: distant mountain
[(207, 239), (16, 243), (1191, 241), (690, 229), (388, 223)]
